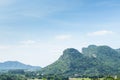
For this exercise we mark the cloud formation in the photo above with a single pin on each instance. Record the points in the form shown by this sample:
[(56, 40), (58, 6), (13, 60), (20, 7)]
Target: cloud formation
[(2, 47), (63, 37), (100, 33), (28, 42)]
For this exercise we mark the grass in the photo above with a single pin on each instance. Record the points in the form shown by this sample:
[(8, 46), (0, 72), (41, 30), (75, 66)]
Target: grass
[(82, 79), (34, 79)]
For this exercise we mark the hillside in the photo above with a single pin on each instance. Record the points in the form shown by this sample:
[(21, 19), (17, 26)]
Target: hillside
[(92, 61), (16, 65)]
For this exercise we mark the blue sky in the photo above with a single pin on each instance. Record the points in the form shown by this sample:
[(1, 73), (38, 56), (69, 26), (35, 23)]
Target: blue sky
[(37, 31)]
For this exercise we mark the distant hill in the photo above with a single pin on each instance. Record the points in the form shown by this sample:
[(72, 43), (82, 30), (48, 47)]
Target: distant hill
[(92, 61), (17, 65)]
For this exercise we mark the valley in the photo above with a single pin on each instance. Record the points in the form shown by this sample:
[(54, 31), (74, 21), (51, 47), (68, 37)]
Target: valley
[(93, 63)]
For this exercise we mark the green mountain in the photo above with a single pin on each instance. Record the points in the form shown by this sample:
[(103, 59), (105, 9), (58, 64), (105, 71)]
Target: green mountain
[(8, 65), (93, 61)]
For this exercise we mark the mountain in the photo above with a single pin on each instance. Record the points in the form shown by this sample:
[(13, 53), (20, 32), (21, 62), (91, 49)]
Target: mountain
[(16, 65), (92, 61)]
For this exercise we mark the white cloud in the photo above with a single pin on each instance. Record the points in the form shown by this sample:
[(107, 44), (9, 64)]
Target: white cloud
[(100, 33), (28, 42), (4, 47), (63, 37)]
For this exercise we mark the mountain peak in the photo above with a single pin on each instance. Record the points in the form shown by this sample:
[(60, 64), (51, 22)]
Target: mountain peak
[(92, 46), (12, 62), (71, 51), (16, 65)]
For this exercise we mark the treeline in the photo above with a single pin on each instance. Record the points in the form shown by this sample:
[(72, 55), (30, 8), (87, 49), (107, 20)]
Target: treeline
[(26, 75), (12, 77), (8, 76), (20, 74)]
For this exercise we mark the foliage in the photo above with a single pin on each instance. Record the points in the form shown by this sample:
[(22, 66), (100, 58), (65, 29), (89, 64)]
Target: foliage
[(94, 61), (16, 71), (11, 77)]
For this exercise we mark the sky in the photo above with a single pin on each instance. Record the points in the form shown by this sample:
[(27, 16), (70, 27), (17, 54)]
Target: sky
[(36, 32)]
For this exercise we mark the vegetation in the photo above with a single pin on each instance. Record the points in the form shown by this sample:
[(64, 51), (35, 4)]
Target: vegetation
[(94, 61), (12, 77), (8, 76)]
